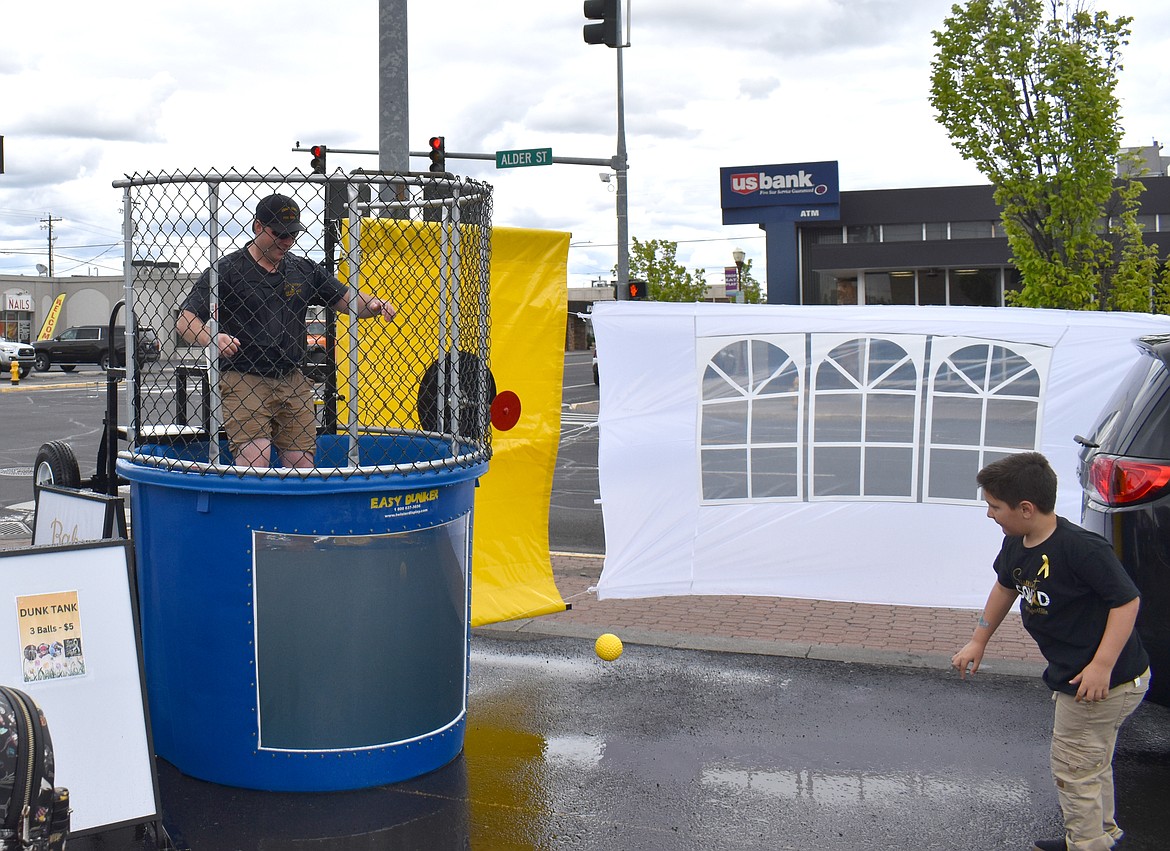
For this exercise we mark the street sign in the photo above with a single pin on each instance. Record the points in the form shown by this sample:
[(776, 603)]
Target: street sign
[(524, 157)]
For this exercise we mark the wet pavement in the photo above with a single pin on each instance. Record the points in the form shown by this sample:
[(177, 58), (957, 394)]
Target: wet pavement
[(686, 749)]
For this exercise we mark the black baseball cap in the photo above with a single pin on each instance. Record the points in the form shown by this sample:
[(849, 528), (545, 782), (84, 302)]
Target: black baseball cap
[(280, 213)]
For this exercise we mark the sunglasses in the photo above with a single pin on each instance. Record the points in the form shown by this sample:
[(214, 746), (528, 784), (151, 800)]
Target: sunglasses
[(278, 235)]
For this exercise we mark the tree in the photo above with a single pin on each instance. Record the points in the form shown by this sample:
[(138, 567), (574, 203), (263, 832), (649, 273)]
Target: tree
[(1025, 89), (654, 262)]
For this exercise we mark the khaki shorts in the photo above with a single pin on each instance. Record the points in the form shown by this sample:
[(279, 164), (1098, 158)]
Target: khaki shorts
[(277, 409)]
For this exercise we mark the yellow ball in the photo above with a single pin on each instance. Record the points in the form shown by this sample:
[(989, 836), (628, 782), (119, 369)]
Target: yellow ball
[(608, 646)]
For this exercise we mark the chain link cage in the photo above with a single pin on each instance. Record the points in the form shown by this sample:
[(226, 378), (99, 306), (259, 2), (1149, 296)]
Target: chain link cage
[(277, 377)]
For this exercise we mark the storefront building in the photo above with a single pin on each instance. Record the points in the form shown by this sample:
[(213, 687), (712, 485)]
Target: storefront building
[(16, 318), (928, 246)]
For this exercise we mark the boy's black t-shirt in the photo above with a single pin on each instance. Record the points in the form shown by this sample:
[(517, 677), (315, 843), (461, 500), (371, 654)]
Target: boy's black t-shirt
[(1067, 586)]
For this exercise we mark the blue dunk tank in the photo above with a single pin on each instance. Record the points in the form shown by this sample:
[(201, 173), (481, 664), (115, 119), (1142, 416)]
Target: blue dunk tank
[(308, 629)]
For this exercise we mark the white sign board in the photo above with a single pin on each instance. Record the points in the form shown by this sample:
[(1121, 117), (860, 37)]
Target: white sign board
[(68, 516), (71, 610)]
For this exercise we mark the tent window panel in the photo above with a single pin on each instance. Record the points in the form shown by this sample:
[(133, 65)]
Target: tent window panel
[(972, 363), (725, 423), (716, 385), (838, 418), (887, 364), (724, 473), (775, 420), (767, 361), (836, 471), (890, 419), (1011, 423), (956, 421), (732, 360), (889, 471), (775, 473), (952, 474)]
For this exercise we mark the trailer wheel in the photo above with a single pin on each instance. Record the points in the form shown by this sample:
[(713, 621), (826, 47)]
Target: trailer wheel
[(56, 465)]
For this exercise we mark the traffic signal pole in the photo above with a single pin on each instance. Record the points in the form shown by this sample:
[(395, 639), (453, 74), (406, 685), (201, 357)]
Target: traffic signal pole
[(620, 165)]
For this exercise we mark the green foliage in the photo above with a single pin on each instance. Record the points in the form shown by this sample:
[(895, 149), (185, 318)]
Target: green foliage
[(654, 262), (1025, 89)]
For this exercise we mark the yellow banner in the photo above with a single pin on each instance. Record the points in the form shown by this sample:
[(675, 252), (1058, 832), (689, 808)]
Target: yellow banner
[(50, 323), (511, 568)]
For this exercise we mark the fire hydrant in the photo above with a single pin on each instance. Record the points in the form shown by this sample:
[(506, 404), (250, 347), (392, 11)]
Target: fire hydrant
[(15, 368)]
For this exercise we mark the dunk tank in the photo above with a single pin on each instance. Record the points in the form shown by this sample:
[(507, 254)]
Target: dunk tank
[(307, 629)]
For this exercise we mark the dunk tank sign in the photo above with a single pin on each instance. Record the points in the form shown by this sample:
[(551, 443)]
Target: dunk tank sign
[(789, 192)]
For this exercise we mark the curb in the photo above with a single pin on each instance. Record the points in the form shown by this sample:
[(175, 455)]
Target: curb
[(536, 629)]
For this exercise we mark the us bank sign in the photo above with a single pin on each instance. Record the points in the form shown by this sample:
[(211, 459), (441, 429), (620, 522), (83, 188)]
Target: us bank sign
[(771, 193)]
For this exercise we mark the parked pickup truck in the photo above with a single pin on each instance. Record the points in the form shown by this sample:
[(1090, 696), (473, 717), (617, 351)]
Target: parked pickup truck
[(84, 344), (11, 351)]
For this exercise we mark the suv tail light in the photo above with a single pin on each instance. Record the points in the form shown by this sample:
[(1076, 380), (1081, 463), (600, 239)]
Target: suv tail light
[(1120, 481)]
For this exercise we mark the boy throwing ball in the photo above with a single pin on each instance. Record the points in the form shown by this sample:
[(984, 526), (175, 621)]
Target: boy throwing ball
[(1079, 605)]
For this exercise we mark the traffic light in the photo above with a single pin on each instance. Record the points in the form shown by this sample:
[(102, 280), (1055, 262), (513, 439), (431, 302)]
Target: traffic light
[(438, 148), (639, 290), (608, 31), (318, 161)]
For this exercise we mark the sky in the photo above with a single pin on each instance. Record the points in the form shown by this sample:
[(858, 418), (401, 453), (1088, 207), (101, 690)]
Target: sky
[(90, 92)]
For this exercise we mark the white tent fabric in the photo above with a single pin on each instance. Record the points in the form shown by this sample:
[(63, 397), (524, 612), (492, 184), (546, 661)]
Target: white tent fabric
[(830, 452)]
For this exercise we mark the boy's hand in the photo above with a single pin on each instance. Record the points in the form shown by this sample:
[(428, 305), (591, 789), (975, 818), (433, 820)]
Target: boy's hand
[(971, 655), (1092, 683)]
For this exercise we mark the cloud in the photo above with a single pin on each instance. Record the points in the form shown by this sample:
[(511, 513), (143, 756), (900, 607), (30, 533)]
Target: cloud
[(103, 109)]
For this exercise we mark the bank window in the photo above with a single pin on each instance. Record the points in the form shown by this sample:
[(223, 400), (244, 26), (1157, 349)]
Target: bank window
[(825, 236), (975, 287), (889, 287), (932, 287), (936, 230), (902, 233), (972, 230), (865, 233)]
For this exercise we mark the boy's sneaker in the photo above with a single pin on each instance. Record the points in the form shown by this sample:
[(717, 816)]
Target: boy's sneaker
[(1050, 845)]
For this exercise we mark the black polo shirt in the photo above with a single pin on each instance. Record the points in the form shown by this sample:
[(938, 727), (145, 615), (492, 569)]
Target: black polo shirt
[(265, 310), (1067, 585)]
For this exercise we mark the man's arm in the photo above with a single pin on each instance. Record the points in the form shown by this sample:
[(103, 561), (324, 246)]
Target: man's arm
[(195, 331), (999, 603), (1093, 682), (368, 305)]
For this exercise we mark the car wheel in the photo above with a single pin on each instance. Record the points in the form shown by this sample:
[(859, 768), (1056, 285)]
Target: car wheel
[(24, 371), (42, 362), (56, 465), (68, 367), (104, 362)]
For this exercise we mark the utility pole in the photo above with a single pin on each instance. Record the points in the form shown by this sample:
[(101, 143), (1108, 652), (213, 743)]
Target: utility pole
[(610, 30), (393, 87), (49, 221)]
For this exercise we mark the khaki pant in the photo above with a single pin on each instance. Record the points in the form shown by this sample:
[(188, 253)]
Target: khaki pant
[(276, 409), (1083, 738)]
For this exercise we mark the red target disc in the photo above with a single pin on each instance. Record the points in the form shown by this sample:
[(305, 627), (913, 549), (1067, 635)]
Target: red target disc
[(505, 410)]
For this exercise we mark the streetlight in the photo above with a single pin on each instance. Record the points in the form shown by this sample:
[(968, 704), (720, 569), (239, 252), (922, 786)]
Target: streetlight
[(738, 256)]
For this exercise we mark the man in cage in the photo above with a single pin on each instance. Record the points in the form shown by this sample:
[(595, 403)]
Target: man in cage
[(264, 293)]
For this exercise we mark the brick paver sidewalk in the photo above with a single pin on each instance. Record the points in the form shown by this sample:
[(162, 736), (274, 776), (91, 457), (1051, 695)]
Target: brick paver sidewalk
[(901, 635)]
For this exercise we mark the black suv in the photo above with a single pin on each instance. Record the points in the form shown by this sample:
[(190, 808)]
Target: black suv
[(90, 344), (1125, 474)]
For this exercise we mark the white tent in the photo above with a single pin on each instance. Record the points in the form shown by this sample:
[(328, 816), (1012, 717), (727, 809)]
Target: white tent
[(830, 452)]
